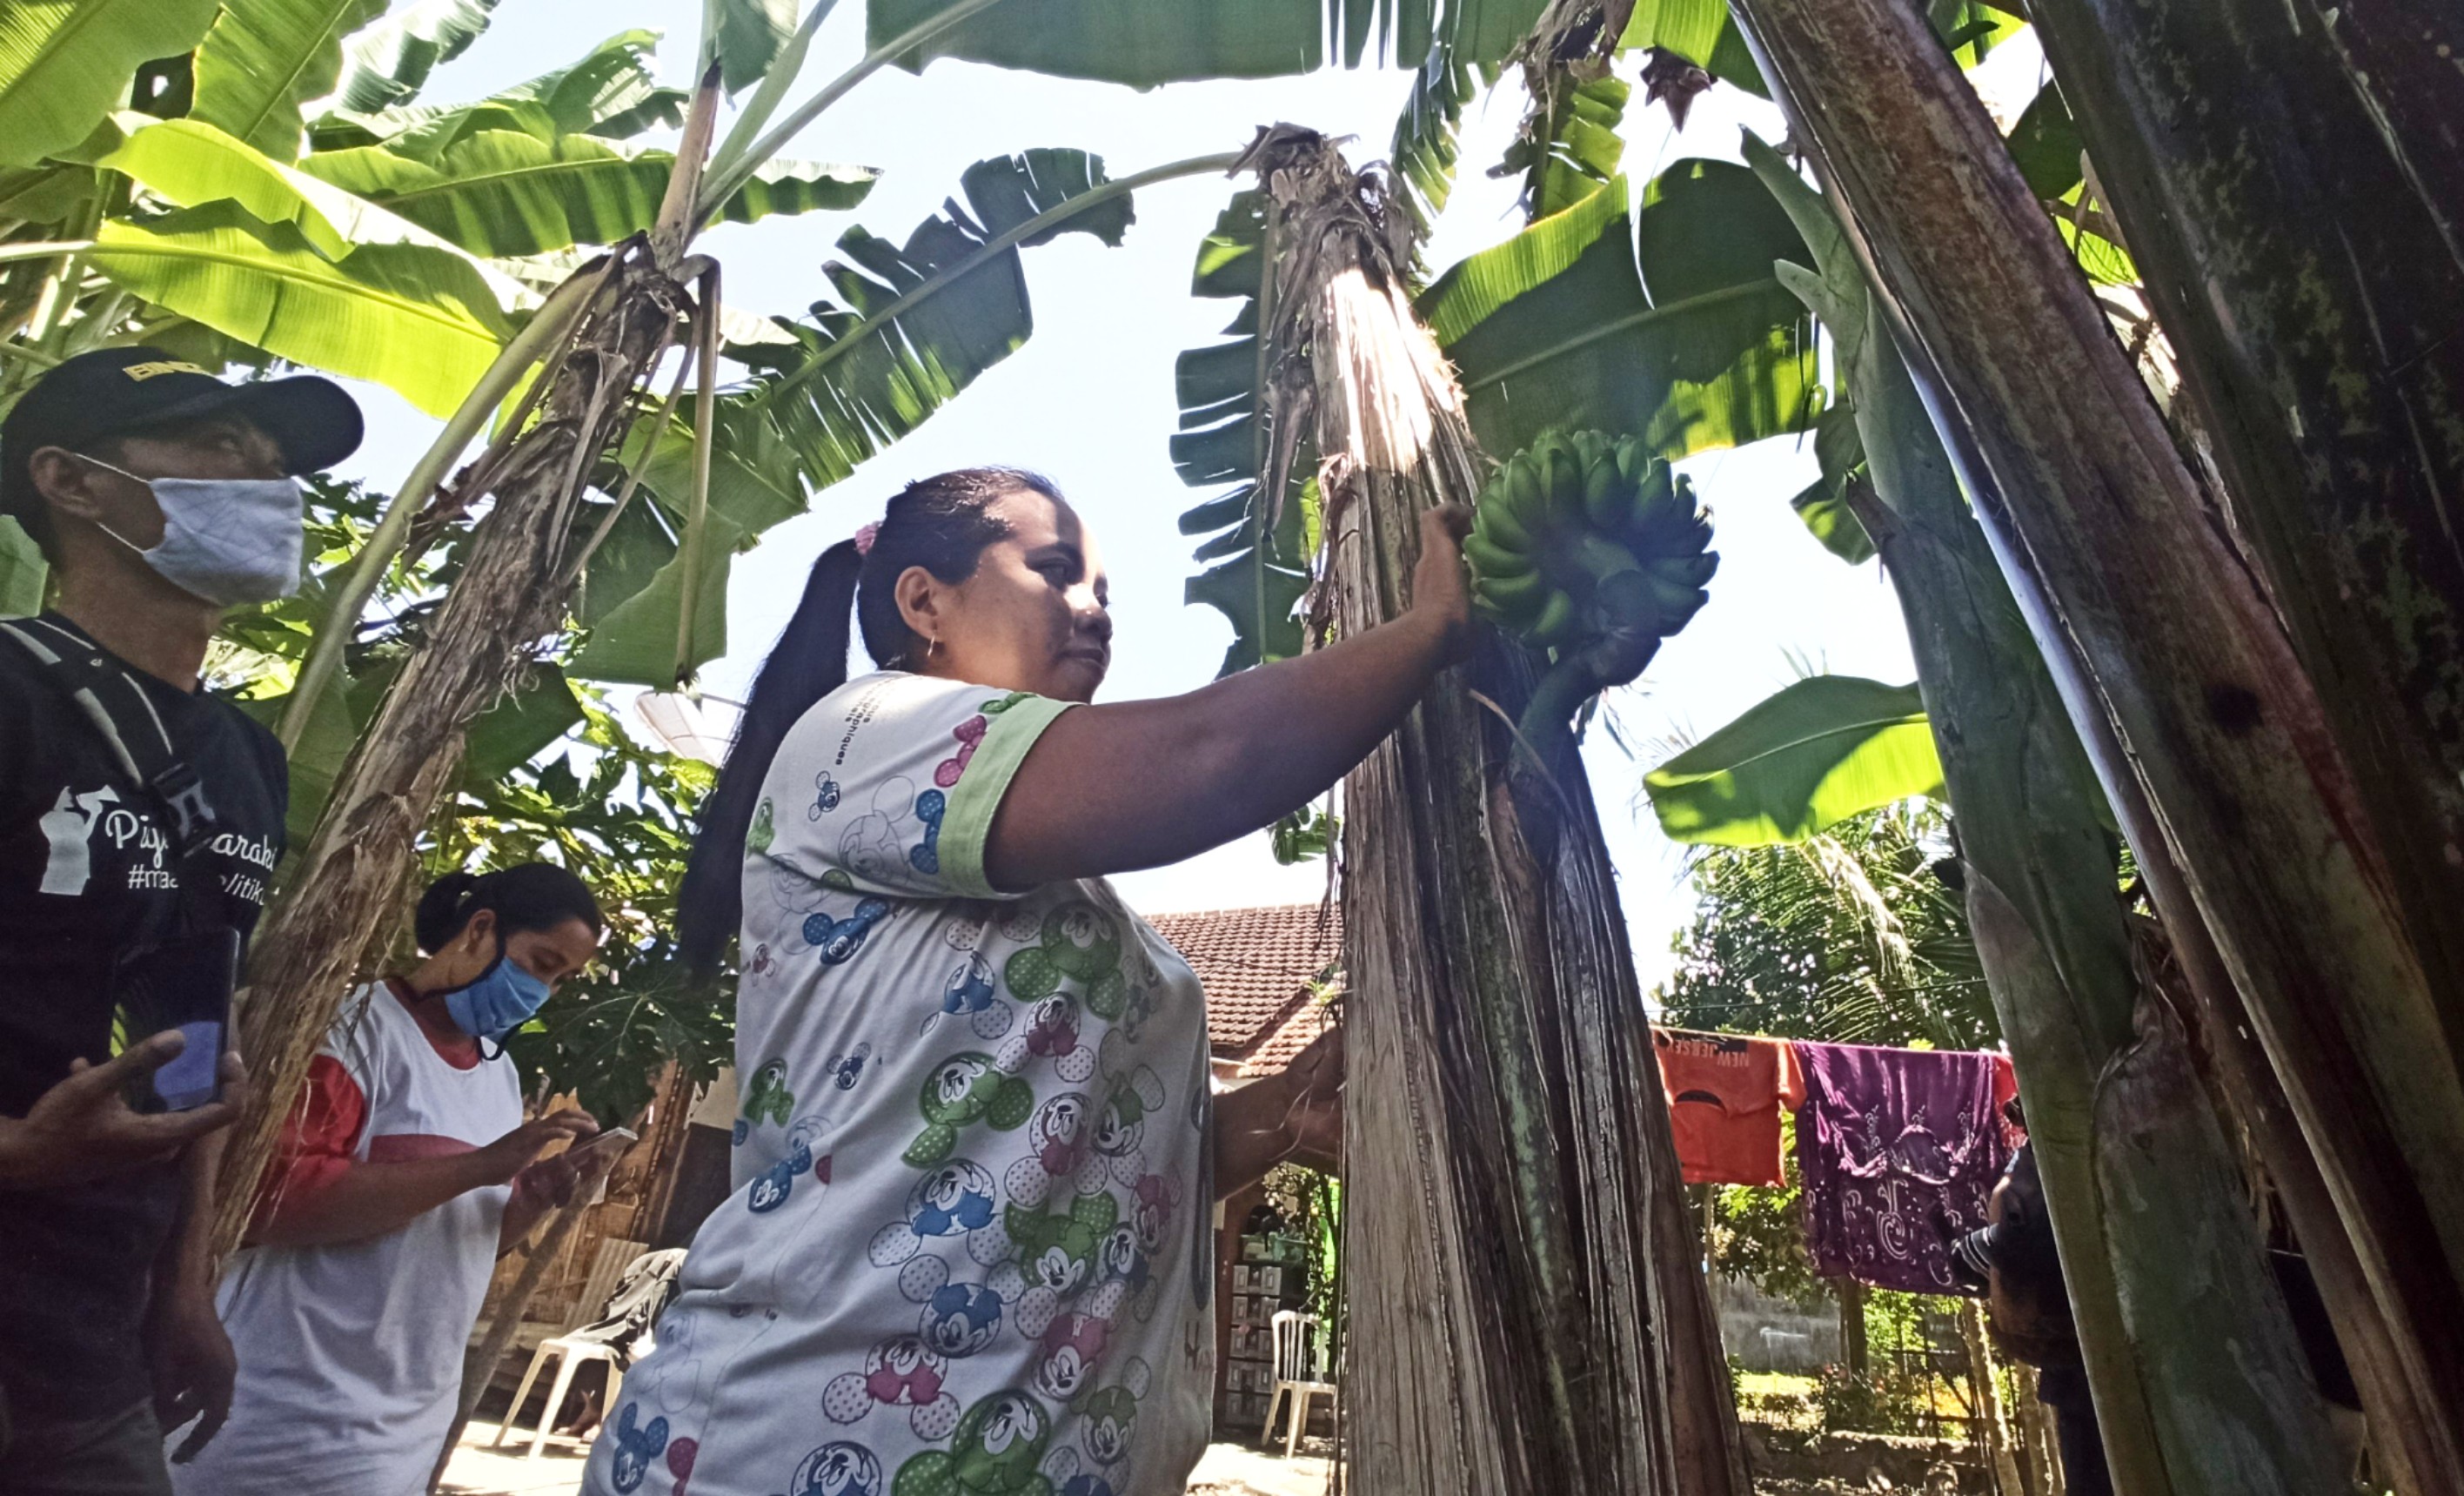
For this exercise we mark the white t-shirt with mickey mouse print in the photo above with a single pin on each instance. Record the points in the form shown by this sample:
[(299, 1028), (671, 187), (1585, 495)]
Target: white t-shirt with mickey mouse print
[(969, 1249)]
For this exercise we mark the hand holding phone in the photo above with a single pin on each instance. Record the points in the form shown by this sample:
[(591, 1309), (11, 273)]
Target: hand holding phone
[(84, 1129), (184, 985)]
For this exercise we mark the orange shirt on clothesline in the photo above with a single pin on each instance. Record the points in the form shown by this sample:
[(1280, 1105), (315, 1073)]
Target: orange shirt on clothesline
[(1724, 1096)]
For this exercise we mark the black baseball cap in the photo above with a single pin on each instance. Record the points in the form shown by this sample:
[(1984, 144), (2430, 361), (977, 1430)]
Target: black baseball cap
[(112, 391)]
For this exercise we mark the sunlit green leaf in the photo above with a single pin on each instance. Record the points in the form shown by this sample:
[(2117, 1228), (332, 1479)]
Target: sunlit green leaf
[(264, 57), (65, 64), (1820, 750), (418, 320)]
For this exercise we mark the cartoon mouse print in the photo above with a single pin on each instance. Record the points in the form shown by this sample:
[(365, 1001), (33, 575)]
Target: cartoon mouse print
[(963, 1090), (994, 1451), (1061, 1144), (826, 796), (837, 1469), (635, 1448), (925, 857), (773, 1187), (875, 846), (839, 940), (970, 993), (901, 1372), (970, 734), (954, 1198), (1051, 1033)]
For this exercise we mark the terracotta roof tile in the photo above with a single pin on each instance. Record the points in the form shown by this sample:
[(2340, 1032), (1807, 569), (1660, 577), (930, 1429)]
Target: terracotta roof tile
[(1257, 966)]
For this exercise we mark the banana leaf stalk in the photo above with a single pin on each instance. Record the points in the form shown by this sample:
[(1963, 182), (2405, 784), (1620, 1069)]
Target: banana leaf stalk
[(1519, 1266), (342, 898)]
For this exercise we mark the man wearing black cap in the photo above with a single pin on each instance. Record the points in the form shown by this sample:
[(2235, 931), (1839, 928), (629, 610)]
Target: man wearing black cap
[(140, 822)]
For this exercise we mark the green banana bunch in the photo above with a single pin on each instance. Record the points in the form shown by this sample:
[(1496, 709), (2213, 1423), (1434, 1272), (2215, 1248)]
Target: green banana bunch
[(1582, 536)]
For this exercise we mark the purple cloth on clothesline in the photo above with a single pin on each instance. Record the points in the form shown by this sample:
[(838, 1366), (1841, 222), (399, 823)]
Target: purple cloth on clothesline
[(1899, 1150)]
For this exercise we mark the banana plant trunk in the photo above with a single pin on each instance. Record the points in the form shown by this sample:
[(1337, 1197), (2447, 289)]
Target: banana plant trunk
[(1526, 1301), (2167, 651), (2294, 250), (2136, 1168), (340, 907)]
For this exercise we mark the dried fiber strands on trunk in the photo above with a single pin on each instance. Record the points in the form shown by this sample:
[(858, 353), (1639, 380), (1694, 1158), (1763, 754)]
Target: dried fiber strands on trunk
[(343, 902), (1527, 1311)]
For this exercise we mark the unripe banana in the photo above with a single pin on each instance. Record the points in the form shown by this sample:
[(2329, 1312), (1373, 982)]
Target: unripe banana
[(1522, 491), (1489, 559), (1608, 499), (1511, 591), (1690, 570), (1494, 513), (1556, 619)]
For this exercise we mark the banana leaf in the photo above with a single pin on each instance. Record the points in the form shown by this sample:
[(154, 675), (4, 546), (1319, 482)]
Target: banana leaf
[(418, 320), (635, 641), (915, 324), (385, 64), (1144, 42), (1818, 751), (65, 64), (1226, 443), (1679, 335), (611, 92), (747, 35), (264, 57), (507, 192)]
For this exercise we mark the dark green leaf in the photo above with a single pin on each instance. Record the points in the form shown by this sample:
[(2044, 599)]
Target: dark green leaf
[(511, 732), (1823, 504), (748, 34), (2046, 144), (859, 375), (635, 641), (1555, 328)]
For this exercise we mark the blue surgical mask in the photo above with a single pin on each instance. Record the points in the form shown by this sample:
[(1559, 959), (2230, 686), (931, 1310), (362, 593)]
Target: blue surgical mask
[(497, 1000), (230, 541)]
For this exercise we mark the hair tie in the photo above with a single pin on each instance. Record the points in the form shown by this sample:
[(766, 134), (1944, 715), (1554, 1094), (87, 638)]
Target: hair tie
[(865, 535)]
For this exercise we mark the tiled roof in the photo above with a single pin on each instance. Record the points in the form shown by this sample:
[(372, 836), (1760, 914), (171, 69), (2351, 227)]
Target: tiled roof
[(1259, 967)]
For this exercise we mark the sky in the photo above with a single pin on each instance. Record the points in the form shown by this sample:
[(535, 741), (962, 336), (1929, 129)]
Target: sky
[(1089, 399)]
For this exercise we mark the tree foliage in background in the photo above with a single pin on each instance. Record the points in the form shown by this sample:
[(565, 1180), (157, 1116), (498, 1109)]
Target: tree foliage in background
[(552, 775), (1855, 935)]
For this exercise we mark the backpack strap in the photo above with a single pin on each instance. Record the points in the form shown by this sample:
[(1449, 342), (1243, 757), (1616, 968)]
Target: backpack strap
[(121, 713)]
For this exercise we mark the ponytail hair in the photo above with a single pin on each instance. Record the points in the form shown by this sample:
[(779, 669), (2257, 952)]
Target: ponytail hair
[(942, 524), (530, 895)]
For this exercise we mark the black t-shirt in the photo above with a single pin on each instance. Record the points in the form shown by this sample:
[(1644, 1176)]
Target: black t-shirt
[(86, 873)]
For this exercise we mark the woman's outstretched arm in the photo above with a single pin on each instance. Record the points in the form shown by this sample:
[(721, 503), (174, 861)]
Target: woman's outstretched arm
[(1137, 784)]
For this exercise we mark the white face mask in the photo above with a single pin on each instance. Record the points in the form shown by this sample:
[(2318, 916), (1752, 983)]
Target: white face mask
[(227, 540)]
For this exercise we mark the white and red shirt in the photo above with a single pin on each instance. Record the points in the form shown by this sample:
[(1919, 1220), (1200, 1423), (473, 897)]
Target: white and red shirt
[(350, 1353)]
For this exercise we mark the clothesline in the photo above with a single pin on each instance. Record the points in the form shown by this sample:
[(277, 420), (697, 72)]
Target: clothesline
[(1897, 1149)]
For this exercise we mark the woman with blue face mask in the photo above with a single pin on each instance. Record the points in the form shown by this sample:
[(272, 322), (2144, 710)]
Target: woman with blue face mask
[(407, 1171)]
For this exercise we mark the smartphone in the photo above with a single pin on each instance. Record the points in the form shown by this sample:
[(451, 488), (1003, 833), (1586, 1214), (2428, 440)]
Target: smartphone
[(184, 983)]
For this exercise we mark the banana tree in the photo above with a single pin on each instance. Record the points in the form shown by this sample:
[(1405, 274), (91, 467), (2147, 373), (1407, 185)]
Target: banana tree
[(2101, 1063), (2172, 656), (1525, 1309)]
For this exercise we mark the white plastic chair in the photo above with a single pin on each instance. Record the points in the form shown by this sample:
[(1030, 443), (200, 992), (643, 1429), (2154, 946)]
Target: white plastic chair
[(1296, 1372), (571, 1352)]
